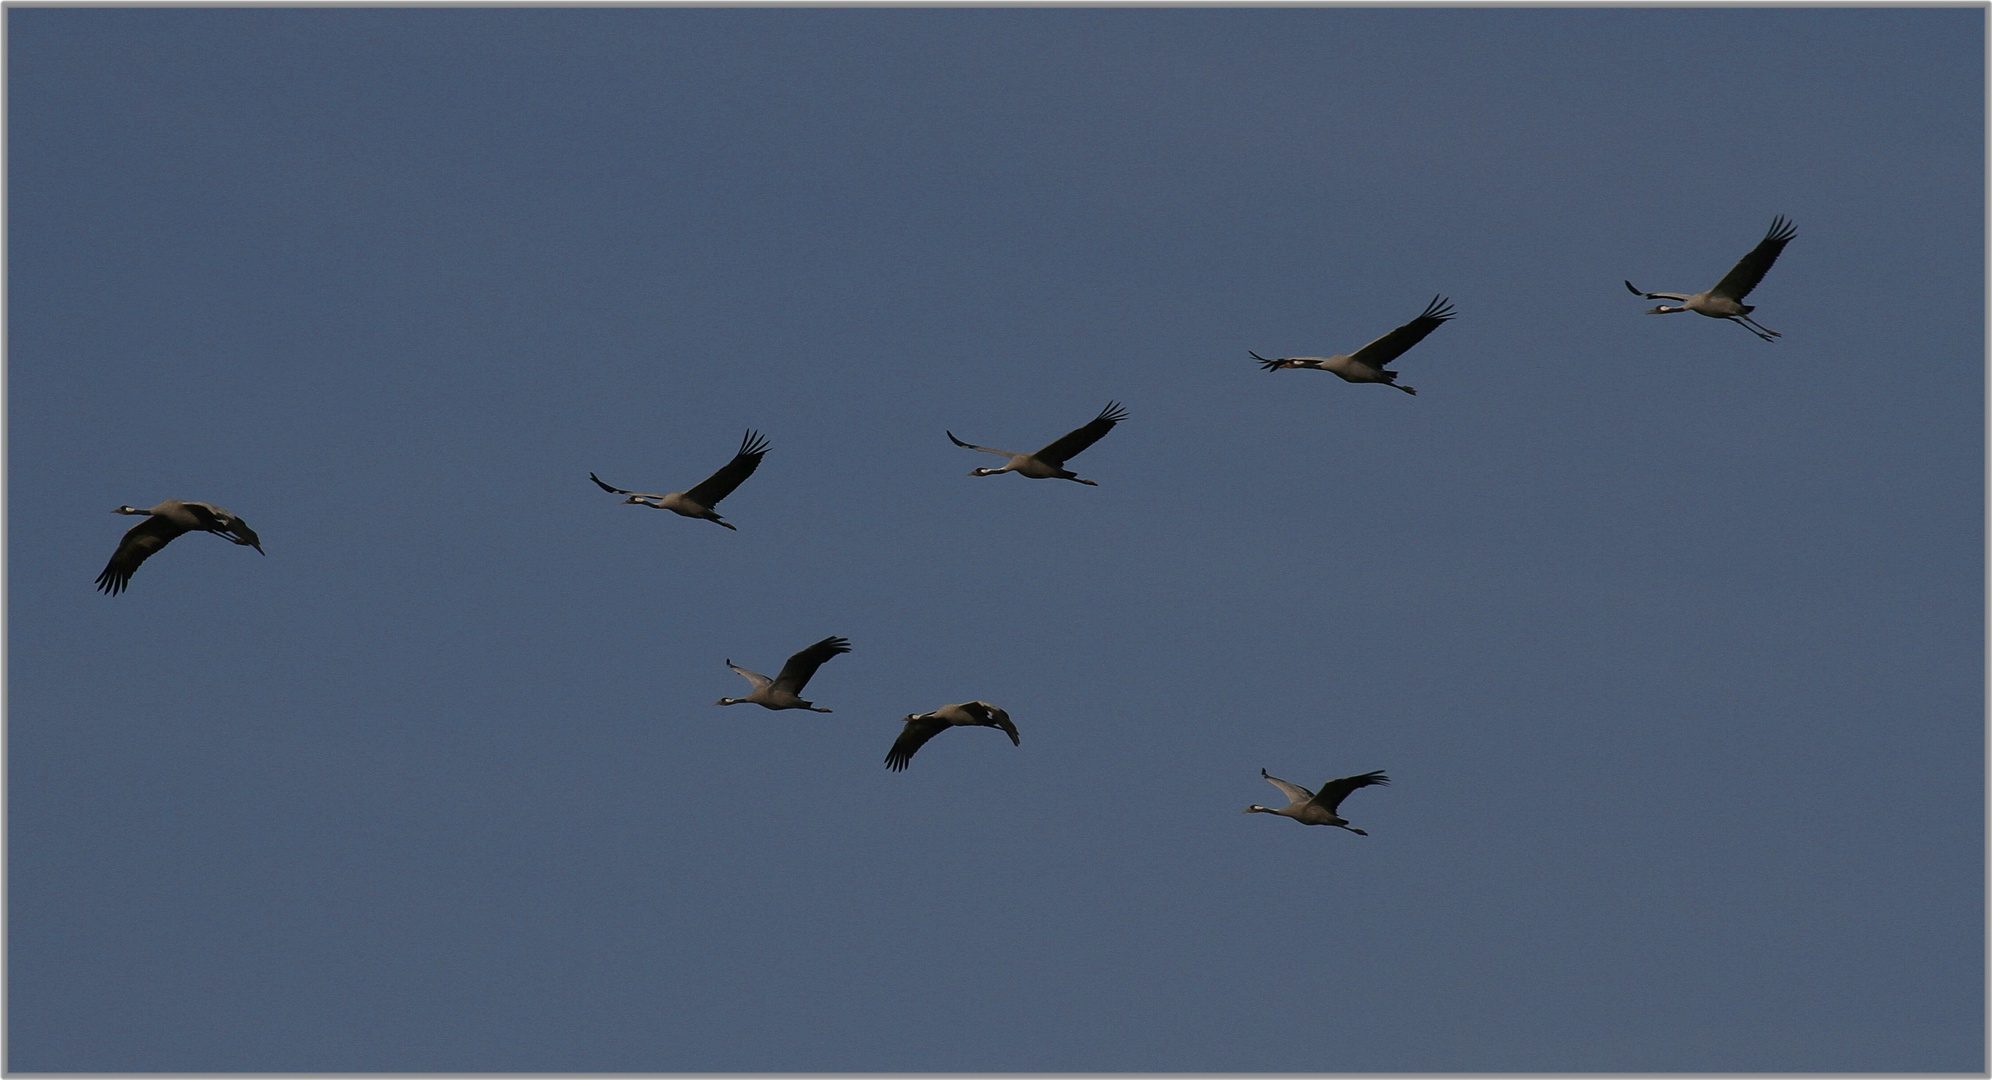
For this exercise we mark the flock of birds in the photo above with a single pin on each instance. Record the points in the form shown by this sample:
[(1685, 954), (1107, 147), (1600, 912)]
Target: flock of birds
[(1369, 364)]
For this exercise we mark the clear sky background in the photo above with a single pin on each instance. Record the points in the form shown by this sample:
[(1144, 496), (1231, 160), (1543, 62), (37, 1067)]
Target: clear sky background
[(1670, 639)]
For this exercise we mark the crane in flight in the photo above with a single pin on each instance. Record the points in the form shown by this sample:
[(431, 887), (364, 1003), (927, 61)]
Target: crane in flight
[(1049, 463), (1310, 808), (923, 726), (699, 502), (162, 523), (1725, 301), (1367, 364), (784, 690)]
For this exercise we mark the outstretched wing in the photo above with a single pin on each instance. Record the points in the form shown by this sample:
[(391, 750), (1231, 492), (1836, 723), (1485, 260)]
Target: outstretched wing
[(991, 716), (754, 678), (224, 524), (1636, 291), (234, 529), (239, 532), (1752, 267), (972, 446), (795, 674), (1294, 792), (1079, 439), (139, 542), (1383, 350), (721, 484), (1334, 791), (918, 730), (619, 491)]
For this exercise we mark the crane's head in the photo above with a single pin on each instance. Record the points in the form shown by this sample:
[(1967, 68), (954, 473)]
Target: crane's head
[(1255, 808), (130, 510), (983, 472), (730, 701), (1665, 310)]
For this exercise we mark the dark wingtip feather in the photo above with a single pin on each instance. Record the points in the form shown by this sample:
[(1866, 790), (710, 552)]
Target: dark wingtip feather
[(1439, 310), (1634, 291), (753, 444), (1113, 413), (1264, 364)]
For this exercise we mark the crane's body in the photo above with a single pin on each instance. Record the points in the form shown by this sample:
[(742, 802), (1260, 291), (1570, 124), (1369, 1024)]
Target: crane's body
[(1369, 364), (700, 500), (1049, 463), (923, 726), (784, 690), (1310, 808), (161, 525), (1725, 300)]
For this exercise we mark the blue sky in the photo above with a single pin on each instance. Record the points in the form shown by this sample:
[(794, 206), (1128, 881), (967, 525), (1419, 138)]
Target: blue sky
[(1670, 639)]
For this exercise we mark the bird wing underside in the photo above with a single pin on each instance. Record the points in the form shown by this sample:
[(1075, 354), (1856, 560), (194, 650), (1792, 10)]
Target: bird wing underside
[(1294, 792), (754, 678), (1379, 353), (1077, 440), (984, 449), (796, 673), (1752, 267), (719, 485), (138, 544), (1334, 791), (620, 491), (918, 731)]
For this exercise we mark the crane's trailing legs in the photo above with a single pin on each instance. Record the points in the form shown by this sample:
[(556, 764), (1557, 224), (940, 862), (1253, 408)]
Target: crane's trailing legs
[(1754, 327)]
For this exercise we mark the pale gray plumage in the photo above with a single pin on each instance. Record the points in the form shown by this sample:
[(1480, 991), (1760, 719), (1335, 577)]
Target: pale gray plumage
[(1049, 463), (1725, 300), (782, 691), (923, 726), (161, 525), (699, 501), (1310, 808), (1368, 364)]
